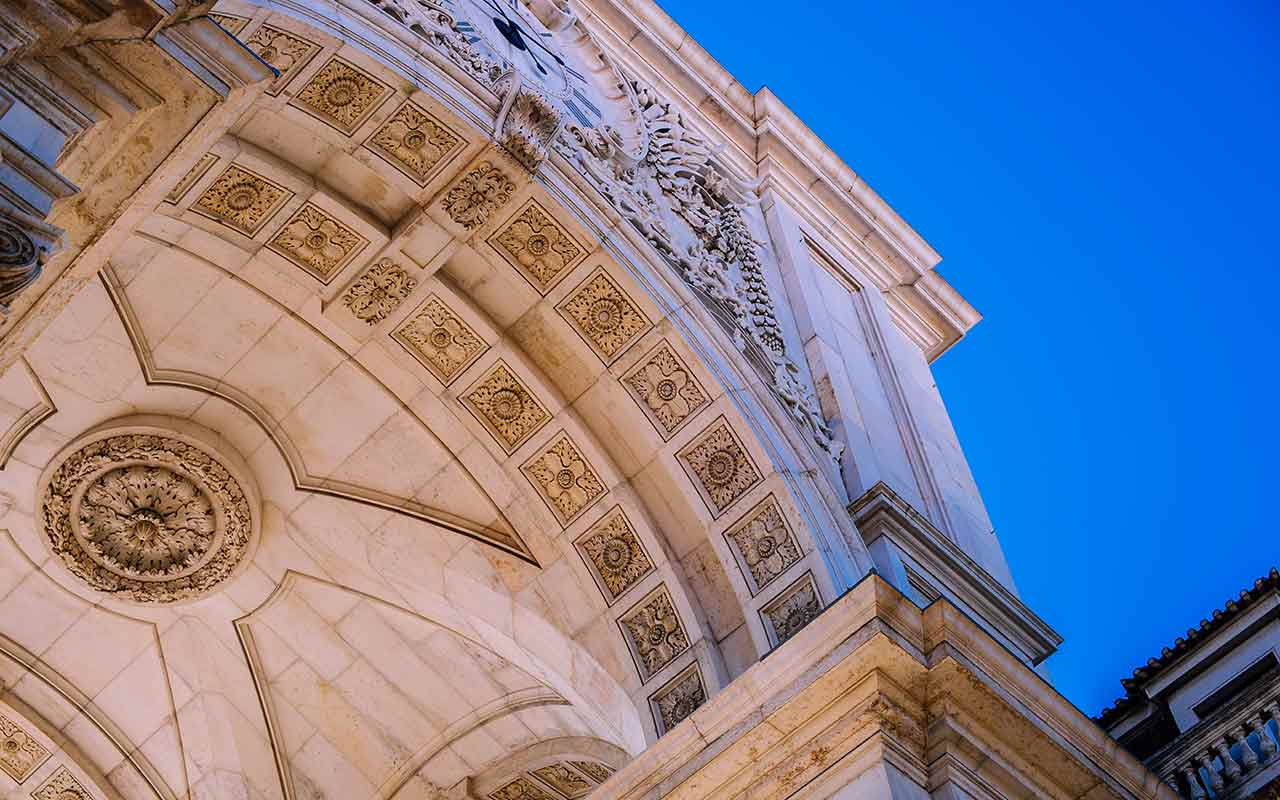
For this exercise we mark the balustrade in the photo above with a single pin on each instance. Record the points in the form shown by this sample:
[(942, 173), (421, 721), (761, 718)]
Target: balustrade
[(1230, 758)]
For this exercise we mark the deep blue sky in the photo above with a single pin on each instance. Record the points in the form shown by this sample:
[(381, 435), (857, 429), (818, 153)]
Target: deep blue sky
[(1103, 184)]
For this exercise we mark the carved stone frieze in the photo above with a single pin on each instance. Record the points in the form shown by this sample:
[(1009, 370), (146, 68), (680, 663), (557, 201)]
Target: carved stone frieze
[(284, 51), (720, 466), (241, 199), (62, 785), (564, 479), (506, 407), (415, 142), (341, 95), (527, 122), (520, 789), (317, 242), (654, 632), (564, 780), (604, 315), (379, 291), (194, 174), (536, 245), (482, 191), (595, 771), (763, 544), (617, 558), (431, 20), (440, 340), (676, 701), (20, 753), (666, 390), (797, 606), (231, 22), (146, 516)]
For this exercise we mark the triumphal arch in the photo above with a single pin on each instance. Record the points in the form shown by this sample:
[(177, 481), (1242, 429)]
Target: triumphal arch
[(417, 399)]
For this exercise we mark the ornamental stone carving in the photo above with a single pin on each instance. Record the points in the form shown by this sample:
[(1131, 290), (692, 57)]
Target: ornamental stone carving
[(520, 789), (654, 633), (379, 292), (617, 559), (666, 390), (241, 199), (194, 174), (341, 96), (527, 123), (564, 780), (19, 260), (763, 544), (564, 479), (62, 785), (148, 512), (282, 50), (676, 701), (431, 20), (440, 340), (20, 753), (796, 607), (535, 244), (720, 466), (231, 22), (317, 242), (593, 770), (506, 408), (482, 191), (415, 142), (604, 316)]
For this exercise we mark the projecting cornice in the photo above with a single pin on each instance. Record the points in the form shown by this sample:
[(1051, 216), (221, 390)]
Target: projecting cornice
[(766, 140)]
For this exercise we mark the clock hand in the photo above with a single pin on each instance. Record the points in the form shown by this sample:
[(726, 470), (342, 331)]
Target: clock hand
[(536, 39)]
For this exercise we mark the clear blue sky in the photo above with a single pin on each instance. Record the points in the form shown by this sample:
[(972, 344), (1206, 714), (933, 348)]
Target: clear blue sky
[(1103, 184)]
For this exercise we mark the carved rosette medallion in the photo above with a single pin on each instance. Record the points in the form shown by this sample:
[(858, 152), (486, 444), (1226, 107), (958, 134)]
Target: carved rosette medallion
[(520, 789), (604, 315), (763, 544), (341, 95), (20, 753), (147, 513), (654, 632), (666, 390), (617, 558), (675, 702), (379, 292), (283, 51), (241, 199), (593, 770), (506, 407), (439, 339), (720, 466), (797, 606), (317, 243), (538, 247), (564, 479), (415, 142), (482, 191), (564, 780), (62, 785)]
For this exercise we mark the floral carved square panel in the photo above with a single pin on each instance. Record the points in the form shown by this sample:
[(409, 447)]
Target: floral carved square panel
[(482, 191), (594, 770), (719, 466), (379, 292), (506, 407), (521, 789), (564, 479), (678, 699), (341, 95), (284, 51), (564, 780), (317, 242), (241, 199), (615, 555), (665, 389), (438, 338), (415, 142), (763, 544), (538, 247), (194, 174), (62, 785), (603, 314), (797, 606), (20, 754), (654, 633)]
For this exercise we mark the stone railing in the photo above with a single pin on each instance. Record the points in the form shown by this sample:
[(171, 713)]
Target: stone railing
[(1220, 755)]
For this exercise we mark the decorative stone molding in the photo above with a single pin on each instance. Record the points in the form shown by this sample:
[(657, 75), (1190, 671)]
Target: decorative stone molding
[(379, 292), (506, 407), (603, 315), (538, 247), (341, 95), (482, 191), (797, 606), (147, 509), (564, 780), (615, 555), (285, 52), (675, 702), (666, 390), (431, 20), (527, 123), (317, 242), (654, 633), (193, 175), (719, 465), (20, 753), (763, 544), (564, 479), (231, 22), (595, 771), (520, 789), (241, 199), (19, 258), (62, 785), (440, 340), (415, 142)]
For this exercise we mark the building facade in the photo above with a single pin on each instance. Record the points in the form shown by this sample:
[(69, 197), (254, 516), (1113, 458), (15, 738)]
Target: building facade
[(1204, 714), (417, 399)]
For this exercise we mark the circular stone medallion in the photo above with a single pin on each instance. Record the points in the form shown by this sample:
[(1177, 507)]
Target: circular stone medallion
[(149, 513)]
